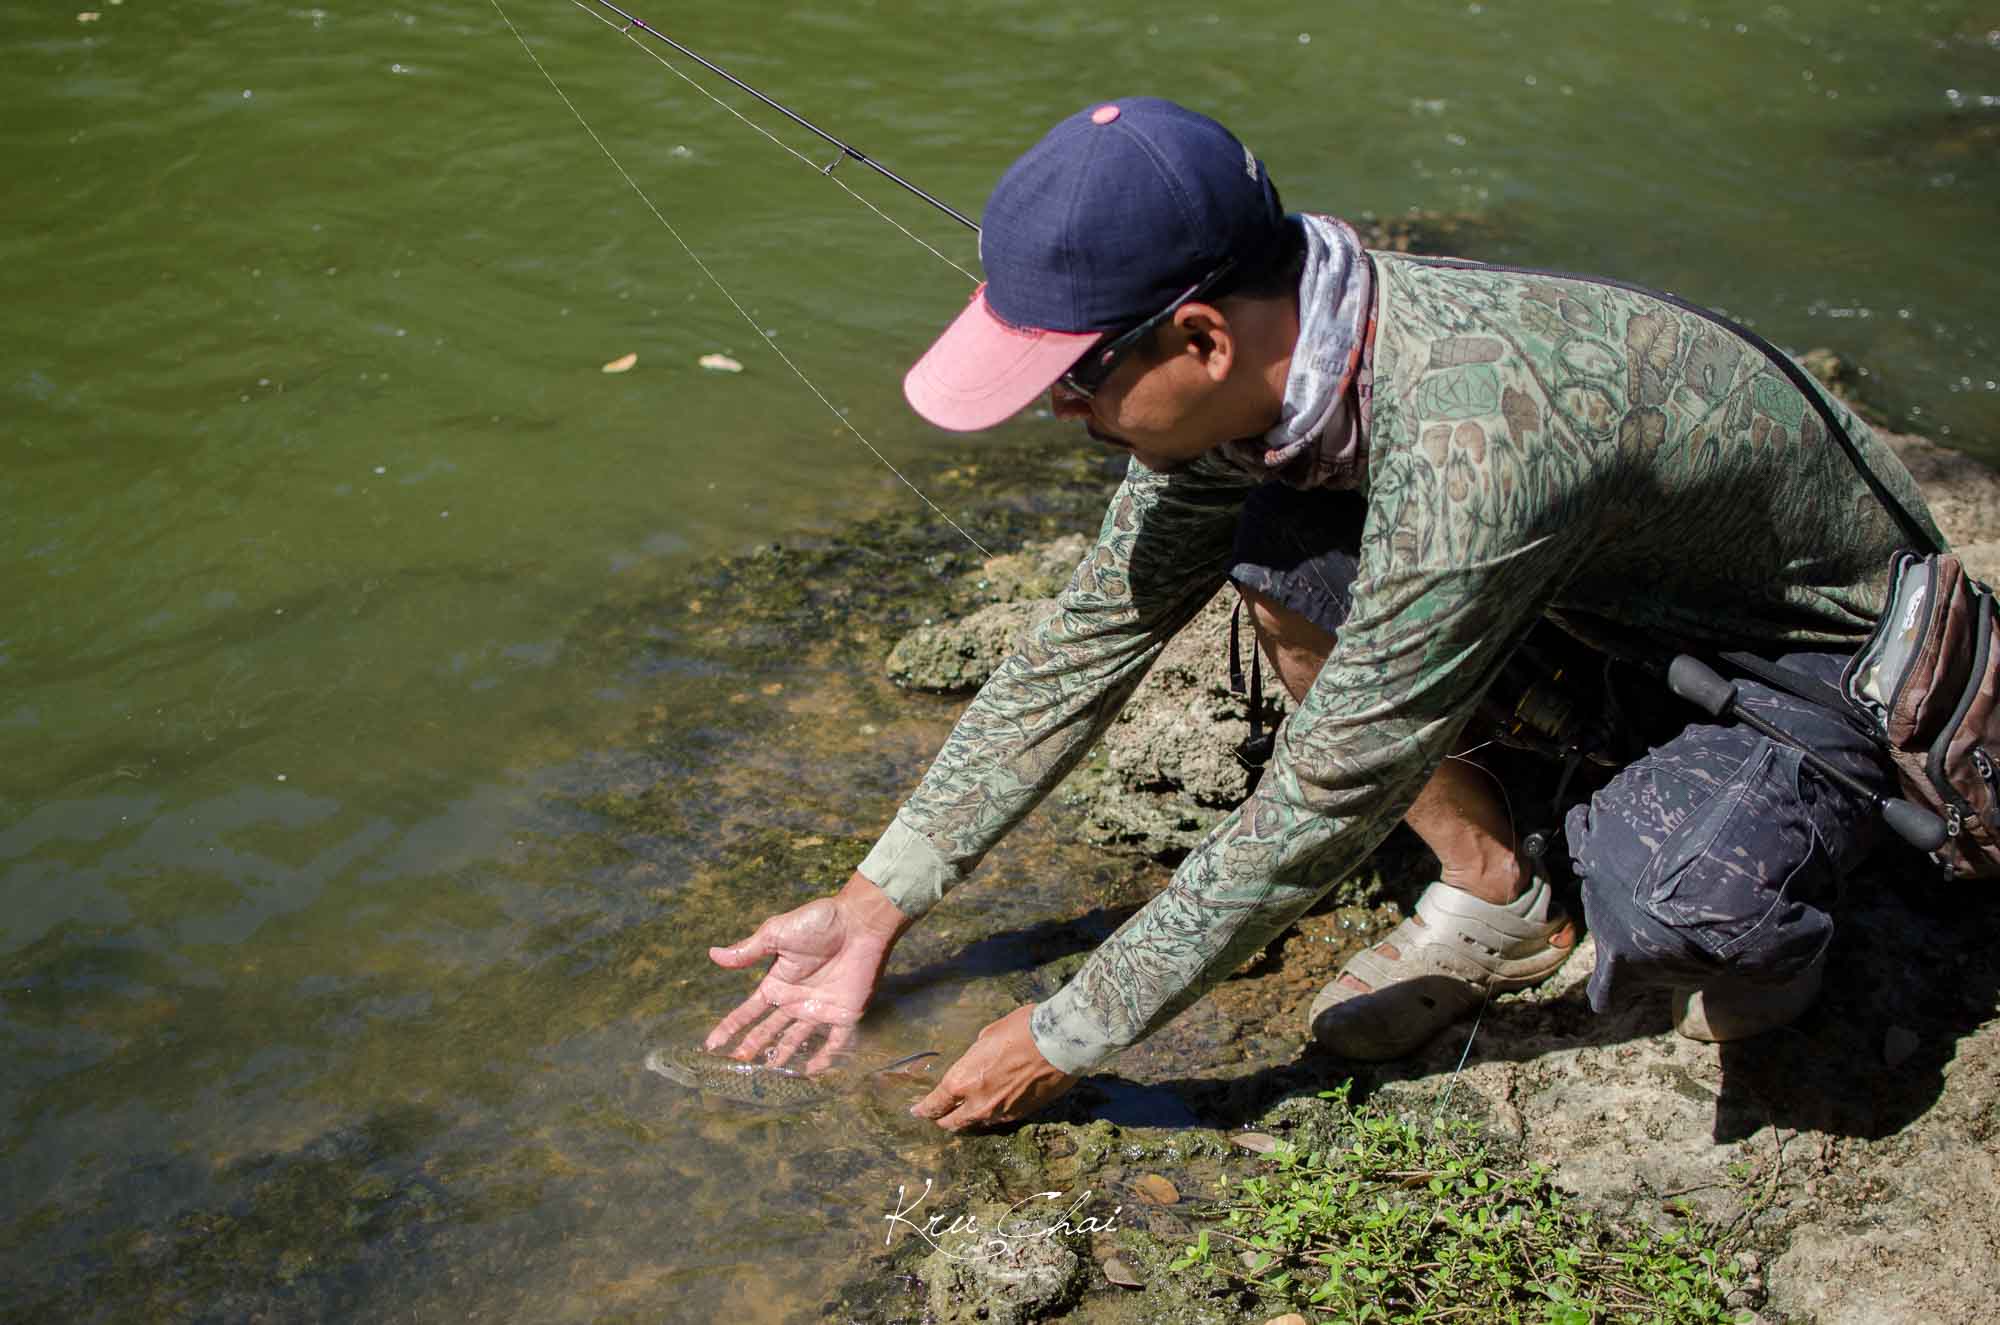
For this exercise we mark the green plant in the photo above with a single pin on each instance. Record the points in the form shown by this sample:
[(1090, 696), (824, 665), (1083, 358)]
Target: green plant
[(1391, 1219)]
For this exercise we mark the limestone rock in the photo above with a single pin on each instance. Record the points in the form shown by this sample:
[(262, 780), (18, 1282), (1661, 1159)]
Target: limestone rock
[(1168, 770), (1003, 1268), (959, 655), (1039, 570)]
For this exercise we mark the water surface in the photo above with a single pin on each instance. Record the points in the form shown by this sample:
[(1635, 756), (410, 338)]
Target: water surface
[(343, 585)]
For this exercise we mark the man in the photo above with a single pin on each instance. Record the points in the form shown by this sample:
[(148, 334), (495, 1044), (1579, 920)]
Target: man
[(1404, 465)]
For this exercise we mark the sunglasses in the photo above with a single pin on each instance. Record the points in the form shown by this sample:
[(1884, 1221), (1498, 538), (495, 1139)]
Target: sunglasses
[(1088, 375)]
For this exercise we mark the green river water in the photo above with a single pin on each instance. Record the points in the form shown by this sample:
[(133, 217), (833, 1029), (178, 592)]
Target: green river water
[(324, 987)]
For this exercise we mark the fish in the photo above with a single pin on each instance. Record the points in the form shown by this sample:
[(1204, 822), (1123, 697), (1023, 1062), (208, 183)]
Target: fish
[(760, 1084)]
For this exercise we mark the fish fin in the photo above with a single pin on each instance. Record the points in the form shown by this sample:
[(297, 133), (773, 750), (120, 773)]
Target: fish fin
[(906, 1060)]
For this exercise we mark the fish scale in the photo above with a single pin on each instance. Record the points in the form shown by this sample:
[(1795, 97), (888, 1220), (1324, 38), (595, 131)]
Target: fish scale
[(752, 1083)]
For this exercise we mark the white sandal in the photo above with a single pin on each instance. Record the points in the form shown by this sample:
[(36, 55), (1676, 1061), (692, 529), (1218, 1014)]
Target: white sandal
[(1464, 951)]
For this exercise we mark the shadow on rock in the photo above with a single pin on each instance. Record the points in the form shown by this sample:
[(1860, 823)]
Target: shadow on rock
[(1908, 979), (1038, 957)]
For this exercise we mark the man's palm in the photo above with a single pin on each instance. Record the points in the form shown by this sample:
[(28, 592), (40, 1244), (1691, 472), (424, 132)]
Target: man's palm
[(826, 968)]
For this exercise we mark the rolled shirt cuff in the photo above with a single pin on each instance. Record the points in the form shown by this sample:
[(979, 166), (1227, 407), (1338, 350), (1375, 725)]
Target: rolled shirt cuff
[(1070, 1038), (906, 866)]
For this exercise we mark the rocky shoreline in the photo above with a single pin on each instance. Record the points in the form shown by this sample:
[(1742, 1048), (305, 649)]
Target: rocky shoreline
[(1851, 1159), (1844, 1169)]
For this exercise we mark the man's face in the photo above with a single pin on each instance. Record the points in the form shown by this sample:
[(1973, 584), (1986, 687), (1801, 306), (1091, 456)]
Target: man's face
[(1163, 408)]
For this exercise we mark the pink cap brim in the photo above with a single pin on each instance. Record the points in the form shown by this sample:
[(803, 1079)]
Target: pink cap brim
[(982, 372)]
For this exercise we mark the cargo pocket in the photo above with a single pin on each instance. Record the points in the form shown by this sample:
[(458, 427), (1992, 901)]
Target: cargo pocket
[(1736, 878)]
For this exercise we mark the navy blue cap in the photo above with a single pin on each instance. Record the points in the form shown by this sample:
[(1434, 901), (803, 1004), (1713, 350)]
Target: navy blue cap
[(1104, 222)]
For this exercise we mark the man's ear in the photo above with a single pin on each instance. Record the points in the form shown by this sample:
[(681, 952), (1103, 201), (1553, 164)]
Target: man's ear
[(1209, 337)]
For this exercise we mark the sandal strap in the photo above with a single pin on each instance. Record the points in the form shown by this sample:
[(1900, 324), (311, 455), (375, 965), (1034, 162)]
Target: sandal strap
[(1496, 948), (1529, 918)]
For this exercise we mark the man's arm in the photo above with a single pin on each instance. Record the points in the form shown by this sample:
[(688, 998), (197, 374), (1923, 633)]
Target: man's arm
[(1161, 554), (1438, 607)]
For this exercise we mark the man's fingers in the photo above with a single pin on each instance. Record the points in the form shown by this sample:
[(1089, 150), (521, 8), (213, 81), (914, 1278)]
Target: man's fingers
[(747, 953), (725, 1030), (791, 1042), (761, 1035), (937, 1104), (837, 1039)]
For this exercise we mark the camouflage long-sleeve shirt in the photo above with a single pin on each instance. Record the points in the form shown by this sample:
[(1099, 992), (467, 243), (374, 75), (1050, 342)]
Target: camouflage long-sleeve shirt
[(1537, 446)]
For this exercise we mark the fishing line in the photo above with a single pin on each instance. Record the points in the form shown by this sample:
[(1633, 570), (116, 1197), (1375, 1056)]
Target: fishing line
[(1445, 1103), (625, 31), (717, 283)]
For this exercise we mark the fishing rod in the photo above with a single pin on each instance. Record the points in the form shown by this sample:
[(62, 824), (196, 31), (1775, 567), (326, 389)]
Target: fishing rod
[(755, 326), (846, 151)]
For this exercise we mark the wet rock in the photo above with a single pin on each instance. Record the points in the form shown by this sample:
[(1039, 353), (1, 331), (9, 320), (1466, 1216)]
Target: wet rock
[(959, 655), (1426, 232), (1002, 1269), (1018, 590), (1039, 570)]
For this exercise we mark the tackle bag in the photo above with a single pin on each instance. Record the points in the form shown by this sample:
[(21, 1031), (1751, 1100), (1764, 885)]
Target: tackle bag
[(1924, 685)]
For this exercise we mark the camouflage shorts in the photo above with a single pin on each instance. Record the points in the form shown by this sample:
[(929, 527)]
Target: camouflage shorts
[(1713, 858), (1717, 858)]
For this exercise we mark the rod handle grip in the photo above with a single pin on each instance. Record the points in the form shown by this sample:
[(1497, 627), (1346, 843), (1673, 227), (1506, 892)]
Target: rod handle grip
[(1697, 683), (1914, 824)]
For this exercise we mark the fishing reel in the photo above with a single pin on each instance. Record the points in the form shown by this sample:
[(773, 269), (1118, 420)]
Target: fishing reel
[(1553, 703), (1546, 704)]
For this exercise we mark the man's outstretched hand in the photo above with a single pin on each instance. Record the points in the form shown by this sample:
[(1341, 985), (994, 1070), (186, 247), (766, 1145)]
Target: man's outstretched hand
[(830, 954), (1002, 1077)]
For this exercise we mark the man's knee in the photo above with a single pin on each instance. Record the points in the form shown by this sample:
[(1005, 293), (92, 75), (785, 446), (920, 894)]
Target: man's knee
[(1296, 646), (1704, 861)]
